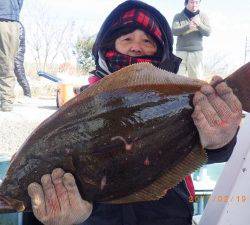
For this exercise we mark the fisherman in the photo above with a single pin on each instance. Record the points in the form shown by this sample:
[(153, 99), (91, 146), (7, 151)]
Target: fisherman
[(135, 32), (190, 26), (9, 32)]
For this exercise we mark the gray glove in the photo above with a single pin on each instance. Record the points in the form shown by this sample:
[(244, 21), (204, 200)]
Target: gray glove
[(217, 114), (57, 201)]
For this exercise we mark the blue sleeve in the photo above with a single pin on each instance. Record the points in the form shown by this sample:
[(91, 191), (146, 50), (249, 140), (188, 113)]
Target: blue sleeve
[(221, 154), (20, 3)]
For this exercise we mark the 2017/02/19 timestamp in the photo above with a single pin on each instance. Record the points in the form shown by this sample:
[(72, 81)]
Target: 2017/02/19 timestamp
[(221, 198)]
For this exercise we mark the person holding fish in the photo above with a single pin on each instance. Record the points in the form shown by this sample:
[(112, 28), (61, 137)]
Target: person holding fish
[(136, 32)]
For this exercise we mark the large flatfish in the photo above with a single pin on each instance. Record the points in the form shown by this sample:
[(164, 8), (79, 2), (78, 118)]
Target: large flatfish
[(128, 138)]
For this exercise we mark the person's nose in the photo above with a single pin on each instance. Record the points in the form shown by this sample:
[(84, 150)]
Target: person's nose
[(136, 48)]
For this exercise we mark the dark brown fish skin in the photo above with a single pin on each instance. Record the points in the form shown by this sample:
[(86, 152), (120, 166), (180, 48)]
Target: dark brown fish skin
[(71, 140), (114, 143), (237, 82)]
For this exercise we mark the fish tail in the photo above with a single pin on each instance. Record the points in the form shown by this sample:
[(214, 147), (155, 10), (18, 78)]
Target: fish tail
[(8, 206), (239, 82)]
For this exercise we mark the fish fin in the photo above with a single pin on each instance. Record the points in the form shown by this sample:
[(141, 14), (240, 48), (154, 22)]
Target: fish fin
[(138, 75), (10, 205), (158, 188), (145, 73), (239, 81)]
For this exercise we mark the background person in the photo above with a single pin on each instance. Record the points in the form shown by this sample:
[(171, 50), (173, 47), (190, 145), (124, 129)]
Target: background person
[(9, 34), (190, 26), (136, 32)]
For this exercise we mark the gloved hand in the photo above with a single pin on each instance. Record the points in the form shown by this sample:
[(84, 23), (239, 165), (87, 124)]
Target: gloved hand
[(217, 114), (57, 201)]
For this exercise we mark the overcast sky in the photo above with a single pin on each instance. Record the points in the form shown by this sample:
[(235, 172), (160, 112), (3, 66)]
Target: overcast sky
[(229, 19)]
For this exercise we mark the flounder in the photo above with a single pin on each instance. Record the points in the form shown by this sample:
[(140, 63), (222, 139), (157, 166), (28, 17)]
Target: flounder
[(128, 138)]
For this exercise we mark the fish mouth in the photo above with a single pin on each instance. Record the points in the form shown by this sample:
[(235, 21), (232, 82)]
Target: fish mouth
[(10, 206)]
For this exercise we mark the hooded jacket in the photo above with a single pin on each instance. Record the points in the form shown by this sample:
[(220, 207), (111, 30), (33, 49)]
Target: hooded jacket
[(168, 62), (176, 208)]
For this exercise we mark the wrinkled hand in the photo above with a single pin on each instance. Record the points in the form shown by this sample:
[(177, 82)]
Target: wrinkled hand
[(57, 201), (217, 114)]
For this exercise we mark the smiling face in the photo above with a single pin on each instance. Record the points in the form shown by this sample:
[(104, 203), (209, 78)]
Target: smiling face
[(137, 43)]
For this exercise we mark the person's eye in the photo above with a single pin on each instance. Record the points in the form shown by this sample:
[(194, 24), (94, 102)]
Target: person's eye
[(126, 39), (147, 41)]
